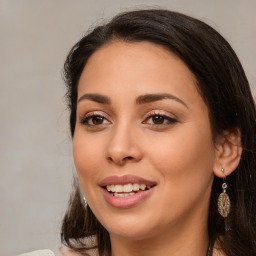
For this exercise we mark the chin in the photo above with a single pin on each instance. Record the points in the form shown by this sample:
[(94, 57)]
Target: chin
[(130, 234), (130, 227)]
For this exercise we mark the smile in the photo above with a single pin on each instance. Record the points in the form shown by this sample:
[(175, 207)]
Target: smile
[(126, 191), (127, 188)]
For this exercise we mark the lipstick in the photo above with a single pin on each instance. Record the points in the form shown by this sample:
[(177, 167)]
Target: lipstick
[(126, 191), (126, 179)]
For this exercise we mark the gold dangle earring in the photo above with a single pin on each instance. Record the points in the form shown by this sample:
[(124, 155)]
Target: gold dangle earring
[(85, 203), (224, 204)]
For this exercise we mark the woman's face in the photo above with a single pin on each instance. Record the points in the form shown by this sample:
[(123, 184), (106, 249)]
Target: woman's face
[(142, 145)]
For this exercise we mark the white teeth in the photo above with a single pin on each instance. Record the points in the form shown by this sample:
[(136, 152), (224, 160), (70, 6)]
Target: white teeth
[(136, 187), (142, 186), (119, 188), (127, 188), (123, 194)]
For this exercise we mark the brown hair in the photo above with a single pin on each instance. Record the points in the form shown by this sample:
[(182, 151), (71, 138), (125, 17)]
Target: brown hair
[(224, 87)]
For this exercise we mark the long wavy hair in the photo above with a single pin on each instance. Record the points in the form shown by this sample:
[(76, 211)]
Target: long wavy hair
[(223, 86)]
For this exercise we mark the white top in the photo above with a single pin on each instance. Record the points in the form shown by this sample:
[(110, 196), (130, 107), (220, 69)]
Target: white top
[(63, 251), (51, 253), (39, 253)]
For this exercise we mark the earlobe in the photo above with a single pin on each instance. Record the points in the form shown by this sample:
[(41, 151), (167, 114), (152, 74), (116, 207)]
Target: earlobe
[(228, 152)]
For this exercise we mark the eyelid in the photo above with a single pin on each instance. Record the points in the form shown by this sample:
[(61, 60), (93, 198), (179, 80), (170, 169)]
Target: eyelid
[(92, 114), (160, 113), (168, 119)]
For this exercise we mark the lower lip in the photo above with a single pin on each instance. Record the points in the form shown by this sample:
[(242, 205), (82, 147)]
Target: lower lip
[(128, 201)]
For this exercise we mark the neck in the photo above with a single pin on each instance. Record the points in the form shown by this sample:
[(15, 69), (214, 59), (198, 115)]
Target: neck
[(189, 239)]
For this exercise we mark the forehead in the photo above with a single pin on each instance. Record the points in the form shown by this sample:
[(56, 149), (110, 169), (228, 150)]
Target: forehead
[(139, 66)]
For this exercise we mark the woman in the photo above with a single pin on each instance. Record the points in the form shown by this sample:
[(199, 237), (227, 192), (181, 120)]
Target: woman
[(163, 126)]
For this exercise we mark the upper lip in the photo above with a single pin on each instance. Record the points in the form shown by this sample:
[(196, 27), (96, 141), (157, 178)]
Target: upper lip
[(125, 179)]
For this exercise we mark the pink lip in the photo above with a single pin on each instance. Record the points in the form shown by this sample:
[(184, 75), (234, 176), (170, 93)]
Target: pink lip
[(126, 179), (128, 201)]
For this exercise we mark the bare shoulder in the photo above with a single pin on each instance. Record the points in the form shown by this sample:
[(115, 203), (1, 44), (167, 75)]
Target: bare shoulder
[(217, 251)]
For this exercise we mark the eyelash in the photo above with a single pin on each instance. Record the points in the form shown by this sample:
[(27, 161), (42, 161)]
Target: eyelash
[(89, 117), (167, 120)]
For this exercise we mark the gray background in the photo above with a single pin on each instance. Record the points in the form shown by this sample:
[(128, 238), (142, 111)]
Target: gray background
[(35, 146)]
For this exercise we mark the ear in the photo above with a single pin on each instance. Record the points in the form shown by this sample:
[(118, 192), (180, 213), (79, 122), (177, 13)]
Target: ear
[(228, 152)]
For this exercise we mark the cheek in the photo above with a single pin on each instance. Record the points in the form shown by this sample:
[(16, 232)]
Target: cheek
[(86, 157), (184, 157), (184, 162)]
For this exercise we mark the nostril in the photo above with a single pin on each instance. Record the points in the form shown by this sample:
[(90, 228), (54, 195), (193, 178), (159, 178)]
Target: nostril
[(110, 159), (120, 161), (128, 158)]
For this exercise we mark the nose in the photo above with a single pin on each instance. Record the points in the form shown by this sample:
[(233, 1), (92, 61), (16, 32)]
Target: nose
[(123, 145)]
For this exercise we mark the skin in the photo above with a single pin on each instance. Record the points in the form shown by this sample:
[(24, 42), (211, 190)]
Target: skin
[(179, 156)]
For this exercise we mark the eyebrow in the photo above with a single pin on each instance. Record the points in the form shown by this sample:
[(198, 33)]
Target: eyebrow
[(148, 98), (95, 97), (143, 99)]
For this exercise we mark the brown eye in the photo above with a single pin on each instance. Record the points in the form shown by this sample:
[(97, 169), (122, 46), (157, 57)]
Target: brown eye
[(96, 120), (158, 119)]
